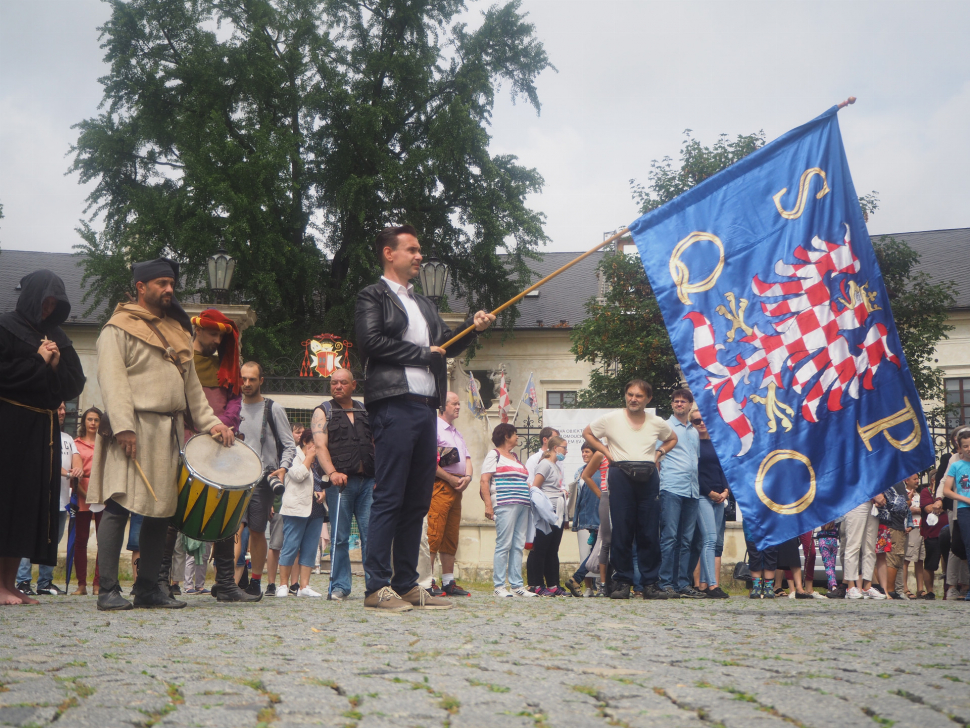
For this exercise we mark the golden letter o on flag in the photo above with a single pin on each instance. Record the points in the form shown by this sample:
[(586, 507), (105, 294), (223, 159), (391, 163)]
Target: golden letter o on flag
[(774, 458), (680, 273)]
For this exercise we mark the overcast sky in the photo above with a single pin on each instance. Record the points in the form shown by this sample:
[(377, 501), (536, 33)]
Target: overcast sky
[(632, 76)]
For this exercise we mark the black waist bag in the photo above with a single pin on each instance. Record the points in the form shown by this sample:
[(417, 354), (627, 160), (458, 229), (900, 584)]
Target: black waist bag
[(640, 473)]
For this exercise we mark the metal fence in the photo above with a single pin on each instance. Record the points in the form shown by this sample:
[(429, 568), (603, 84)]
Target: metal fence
[(529, 437)]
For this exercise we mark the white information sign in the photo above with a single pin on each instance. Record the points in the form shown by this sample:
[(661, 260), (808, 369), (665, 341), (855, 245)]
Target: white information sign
[(571, 423)]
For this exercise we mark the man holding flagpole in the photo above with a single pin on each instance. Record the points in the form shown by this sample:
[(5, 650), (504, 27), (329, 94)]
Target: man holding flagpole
[(400, 335)]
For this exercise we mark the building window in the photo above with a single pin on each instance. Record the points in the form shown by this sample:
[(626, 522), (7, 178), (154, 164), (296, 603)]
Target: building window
[(958, 401), (560, 400)]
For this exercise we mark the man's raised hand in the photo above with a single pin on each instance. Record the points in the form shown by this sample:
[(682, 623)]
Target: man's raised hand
[(483, 320)]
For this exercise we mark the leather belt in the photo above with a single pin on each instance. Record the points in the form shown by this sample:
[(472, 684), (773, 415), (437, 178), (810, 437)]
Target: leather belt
[(422, 399)]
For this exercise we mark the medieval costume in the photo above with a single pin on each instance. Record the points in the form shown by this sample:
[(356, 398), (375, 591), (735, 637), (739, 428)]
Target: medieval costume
[(221, 381), (147, 375), (31, 390)]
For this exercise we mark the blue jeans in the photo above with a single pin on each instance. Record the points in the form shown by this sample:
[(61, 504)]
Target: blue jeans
[(45, 574), (708, 540), (511, 523), (134, 531), (244, 540), (634, 515), (355, 501), (678, 515), (300, 533)]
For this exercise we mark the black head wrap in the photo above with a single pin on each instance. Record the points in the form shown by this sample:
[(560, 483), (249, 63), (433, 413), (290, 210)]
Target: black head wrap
[(26, 322), (149, 270)]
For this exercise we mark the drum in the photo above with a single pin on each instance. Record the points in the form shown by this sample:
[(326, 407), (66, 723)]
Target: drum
[(215, 484)]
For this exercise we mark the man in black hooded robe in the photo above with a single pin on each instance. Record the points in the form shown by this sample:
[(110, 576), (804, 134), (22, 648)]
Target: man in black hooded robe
[(39, 369)]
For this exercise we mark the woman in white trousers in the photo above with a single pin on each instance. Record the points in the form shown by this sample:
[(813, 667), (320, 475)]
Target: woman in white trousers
[(858, 536)]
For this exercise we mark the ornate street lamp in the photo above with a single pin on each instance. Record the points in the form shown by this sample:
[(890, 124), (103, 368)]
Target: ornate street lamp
[(434, 278), (221, 267)]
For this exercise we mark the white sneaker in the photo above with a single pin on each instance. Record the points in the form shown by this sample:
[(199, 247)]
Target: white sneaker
[(337, 595), (817, 595), (791, 594), (308, 591), (873, 593), (589, 593), (853, 593), (953, 593), (282, 590), (523, 592), (502, 592)]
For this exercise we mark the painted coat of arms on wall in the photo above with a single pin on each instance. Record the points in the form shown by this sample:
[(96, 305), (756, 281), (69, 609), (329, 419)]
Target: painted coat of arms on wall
[(323, 354)]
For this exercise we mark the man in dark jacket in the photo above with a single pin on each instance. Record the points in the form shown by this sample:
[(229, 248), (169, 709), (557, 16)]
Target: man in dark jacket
[(405, 380)]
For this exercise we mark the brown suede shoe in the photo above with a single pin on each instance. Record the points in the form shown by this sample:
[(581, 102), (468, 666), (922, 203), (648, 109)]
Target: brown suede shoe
[(420, 599), (387, 601)]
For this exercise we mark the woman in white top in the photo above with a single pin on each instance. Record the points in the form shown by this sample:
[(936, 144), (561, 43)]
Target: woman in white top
[(542, 566), (303, 512), (505, 490)]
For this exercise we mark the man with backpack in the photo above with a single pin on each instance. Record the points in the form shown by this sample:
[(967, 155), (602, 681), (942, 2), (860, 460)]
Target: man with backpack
[(345, 452), (266, 430)]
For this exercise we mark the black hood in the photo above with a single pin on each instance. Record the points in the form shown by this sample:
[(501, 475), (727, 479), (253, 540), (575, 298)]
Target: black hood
[(26, 323)]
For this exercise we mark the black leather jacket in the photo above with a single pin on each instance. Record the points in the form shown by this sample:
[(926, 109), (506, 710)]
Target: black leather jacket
[(380, 324)]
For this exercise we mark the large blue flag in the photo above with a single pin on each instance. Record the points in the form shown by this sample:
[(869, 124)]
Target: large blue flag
[(776, 309)]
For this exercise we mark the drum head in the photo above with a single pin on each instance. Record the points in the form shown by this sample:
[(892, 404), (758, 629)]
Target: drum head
[(229, 467)]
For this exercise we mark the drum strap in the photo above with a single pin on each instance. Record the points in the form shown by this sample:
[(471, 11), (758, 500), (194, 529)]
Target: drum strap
[(169, 351), (172, 357)]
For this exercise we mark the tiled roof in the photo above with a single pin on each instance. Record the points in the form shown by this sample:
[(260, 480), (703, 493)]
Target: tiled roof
[(563, 298), (944, 256), (15, 264)]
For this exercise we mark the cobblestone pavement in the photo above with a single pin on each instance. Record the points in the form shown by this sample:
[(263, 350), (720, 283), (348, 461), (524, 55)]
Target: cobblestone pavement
[(489, 662)]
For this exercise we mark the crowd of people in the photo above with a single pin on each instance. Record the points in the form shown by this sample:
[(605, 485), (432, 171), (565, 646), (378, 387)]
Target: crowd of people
[(654, 497), (651, 493)]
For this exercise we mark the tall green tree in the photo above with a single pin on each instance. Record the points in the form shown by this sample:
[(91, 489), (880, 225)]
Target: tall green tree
[(919, 310), (289, 132), (624, 336)]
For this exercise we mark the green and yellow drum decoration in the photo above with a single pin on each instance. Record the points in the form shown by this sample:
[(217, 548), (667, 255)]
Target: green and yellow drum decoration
[(215, 484)]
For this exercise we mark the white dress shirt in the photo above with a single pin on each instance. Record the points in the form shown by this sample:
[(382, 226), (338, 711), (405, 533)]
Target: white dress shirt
[(420, 379)]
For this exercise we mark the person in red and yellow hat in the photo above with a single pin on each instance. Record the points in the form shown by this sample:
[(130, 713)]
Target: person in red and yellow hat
[(215, 344)]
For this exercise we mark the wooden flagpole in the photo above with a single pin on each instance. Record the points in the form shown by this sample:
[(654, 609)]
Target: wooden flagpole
[(534, 286)]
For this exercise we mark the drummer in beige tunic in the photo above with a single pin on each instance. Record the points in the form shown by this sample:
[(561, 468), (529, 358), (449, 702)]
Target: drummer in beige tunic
[(145, 393)]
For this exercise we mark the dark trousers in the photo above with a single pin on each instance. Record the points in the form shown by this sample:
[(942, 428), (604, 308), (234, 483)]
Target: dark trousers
[(405, 459), (82, 532), (543, 561), (111, 534), (635, 514)]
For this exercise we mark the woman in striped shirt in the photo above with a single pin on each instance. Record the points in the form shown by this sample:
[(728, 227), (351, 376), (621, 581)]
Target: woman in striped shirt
[(505, 490)]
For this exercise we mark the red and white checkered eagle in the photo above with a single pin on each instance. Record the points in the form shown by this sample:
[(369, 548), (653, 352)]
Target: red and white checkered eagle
[(808, 344)]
